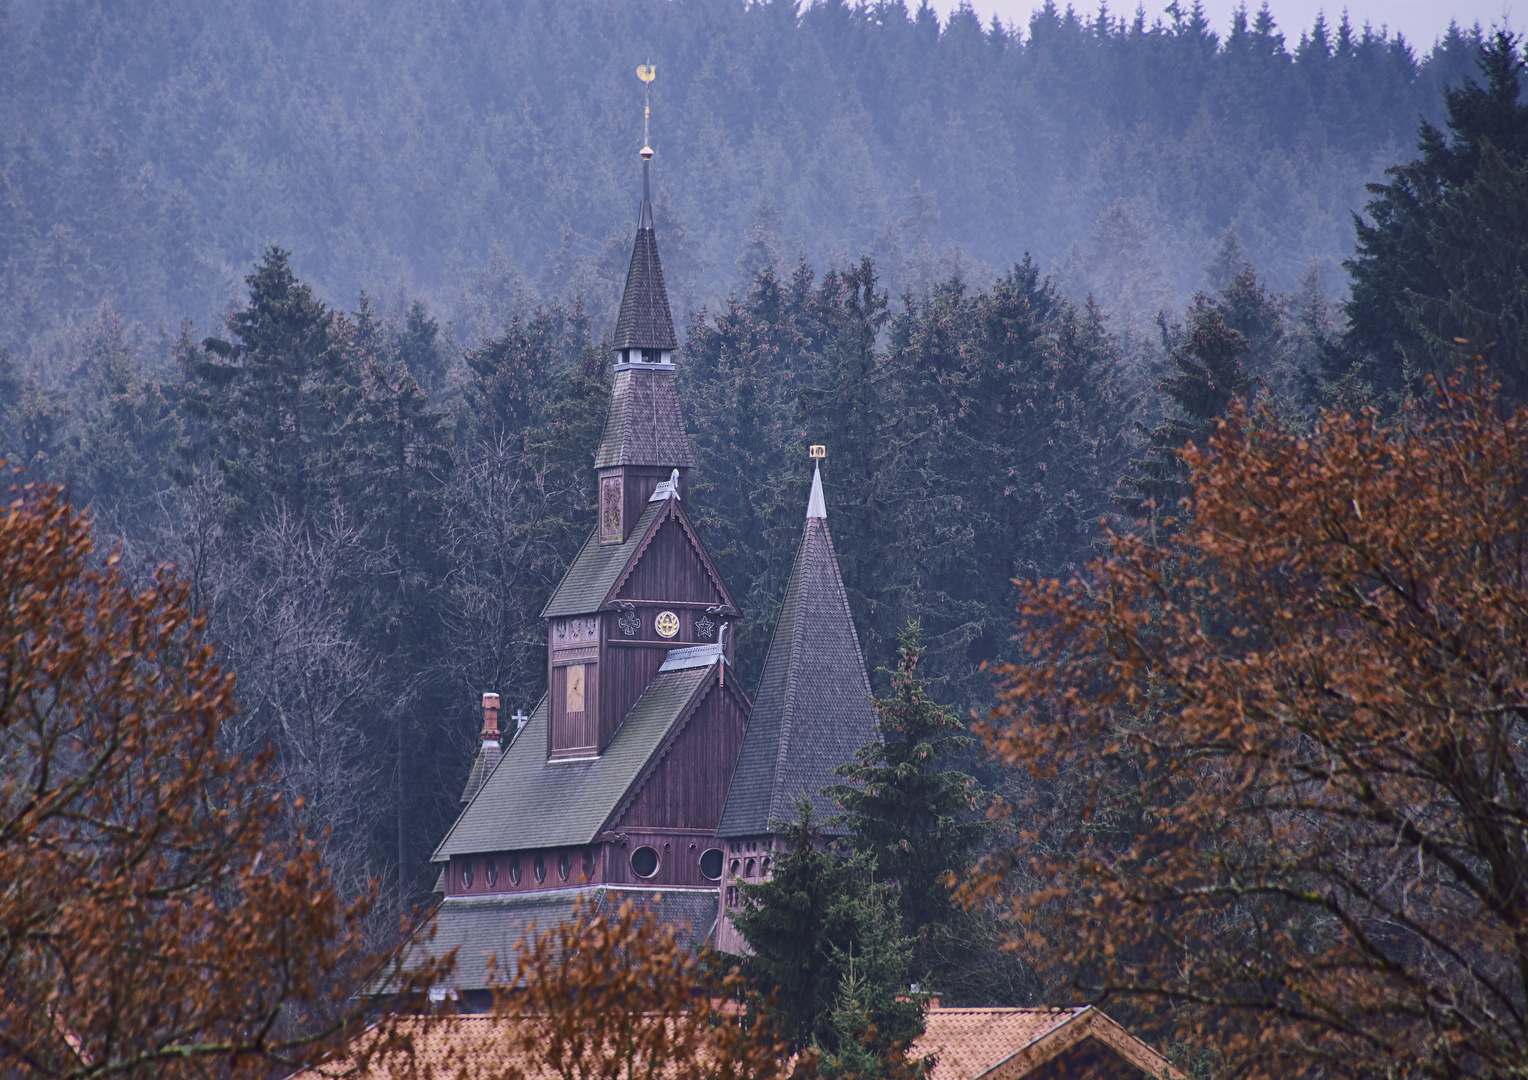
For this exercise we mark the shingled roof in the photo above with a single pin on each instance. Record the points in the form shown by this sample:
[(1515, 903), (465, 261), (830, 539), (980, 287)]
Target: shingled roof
[(480, 927), (644, 425), (813, 710), (645, 321), (598, 572), (528, 802)]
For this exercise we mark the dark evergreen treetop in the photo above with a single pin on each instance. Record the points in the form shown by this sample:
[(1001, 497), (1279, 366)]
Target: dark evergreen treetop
[(904, 805), (818, 912), (1387, 349)]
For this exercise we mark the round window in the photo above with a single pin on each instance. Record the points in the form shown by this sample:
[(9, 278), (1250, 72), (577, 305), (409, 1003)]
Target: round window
[(667, 624), (467, 875), (493, 872), (711, 863), (540, 867), (588, 864), (514, 869), (564, 864), (644, 861)]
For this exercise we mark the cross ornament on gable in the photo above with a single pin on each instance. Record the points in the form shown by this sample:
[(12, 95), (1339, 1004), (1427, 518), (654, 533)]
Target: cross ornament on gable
[(519, 718)]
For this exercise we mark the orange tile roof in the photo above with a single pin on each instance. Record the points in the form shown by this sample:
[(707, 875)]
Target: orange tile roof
[(990, 1044), (968, 1042)]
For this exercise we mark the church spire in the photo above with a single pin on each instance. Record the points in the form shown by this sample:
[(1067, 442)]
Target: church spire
[(644, 438), (644, 330), (813, 710)]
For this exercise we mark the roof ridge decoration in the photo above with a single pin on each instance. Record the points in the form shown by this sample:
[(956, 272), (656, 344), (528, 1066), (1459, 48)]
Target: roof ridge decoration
[(667, 489), (812, 710)]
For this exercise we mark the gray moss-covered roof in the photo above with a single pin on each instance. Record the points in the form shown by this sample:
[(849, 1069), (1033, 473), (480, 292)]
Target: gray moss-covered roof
[(480, 927), (587, 584), (528, 802), (813, 710), (645, 321), (644, 425)]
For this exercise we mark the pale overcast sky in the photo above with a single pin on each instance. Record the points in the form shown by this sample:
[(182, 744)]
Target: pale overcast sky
[(1422, 21)]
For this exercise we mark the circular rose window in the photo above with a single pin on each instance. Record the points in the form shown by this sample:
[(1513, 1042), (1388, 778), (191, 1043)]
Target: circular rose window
[(644, 861), (711, 863), (667, 624)]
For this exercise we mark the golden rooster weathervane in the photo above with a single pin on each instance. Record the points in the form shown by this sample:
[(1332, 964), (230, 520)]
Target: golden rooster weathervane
[(647, 73)]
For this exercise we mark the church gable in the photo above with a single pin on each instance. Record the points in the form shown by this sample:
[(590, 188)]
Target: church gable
[(671, 566), (684, 784)]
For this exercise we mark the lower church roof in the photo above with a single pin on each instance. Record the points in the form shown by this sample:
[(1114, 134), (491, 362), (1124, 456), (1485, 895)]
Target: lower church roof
[(529, 802), (481, 928)]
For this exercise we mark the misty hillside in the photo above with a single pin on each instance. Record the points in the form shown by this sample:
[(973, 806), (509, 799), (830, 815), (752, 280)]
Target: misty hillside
[(482, 155)]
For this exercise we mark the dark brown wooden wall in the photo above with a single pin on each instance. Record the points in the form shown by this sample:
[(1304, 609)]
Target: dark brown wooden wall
[(689, 786), (671, 570), (637, 485), (625, 672)]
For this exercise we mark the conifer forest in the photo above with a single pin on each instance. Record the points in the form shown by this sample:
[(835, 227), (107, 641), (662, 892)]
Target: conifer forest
[(313, 302)]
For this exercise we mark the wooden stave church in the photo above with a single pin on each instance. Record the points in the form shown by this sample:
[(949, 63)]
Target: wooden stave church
[(665, 786)]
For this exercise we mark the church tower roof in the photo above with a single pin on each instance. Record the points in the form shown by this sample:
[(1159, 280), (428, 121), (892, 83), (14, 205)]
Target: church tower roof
[(644, 426), (813, 709), (645, 321)]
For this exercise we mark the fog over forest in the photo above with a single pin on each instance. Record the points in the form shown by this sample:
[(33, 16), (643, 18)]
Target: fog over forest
[(308, 299), (481, 156)]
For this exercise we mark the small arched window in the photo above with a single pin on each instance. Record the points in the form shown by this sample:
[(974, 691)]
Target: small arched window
[(748, 869)]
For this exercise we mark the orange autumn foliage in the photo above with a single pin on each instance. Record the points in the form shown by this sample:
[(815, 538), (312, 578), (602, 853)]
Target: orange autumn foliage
[(160, 915), (1276, 765)]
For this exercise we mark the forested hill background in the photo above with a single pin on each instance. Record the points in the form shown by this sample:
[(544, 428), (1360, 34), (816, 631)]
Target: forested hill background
[(307, 299), (481, 155)]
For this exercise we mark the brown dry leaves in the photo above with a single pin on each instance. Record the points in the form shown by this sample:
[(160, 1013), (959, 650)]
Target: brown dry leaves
[(159, 914), (1283, 754)]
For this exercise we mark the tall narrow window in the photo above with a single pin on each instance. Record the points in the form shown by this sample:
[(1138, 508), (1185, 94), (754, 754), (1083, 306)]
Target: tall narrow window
[(575, 687)]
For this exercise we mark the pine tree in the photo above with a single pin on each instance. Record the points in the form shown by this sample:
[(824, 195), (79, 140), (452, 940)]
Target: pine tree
[(1385, 351), (273, 401), (903, 804), (1208, 374), (817, 909), (1478, 242)]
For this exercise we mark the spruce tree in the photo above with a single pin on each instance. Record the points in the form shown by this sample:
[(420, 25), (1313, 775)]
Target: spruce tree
[(818, 908), (1208, 373), (274, 399), (1386, 349), (904, 805)]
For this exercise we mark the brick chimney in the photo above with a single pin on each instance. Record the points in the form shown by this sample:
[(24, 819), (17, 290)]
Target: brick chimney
[(491, 718)]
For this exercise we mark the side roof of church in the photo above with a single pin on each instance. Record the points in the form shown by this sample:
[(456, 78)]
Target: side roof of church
[(812, 710)]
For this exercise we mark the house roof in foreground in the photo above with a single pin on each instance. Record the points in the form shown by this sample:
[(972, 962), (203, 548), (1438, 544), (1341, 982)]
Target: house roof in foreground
[(969, 1044)]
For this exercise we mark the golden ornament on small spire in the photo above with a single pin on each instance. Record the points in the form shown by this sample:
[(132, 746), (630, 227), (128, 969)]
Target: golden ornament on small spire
[(647, 73), (818, 451)]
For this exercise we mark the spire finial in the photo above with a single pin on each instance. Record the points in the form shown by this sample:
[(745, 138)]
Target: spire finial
[(815, 506), (647, 73)]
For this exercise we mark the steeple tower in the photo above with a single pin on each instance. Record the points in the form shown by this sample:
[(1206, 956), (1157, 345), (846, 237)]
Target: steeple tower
[(644, 439), (812, 712)]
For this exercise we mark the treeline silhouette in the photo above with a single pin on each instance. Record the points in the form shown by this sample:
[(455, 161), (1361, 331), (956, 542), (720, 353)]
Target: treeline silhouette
[(481, 154)]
